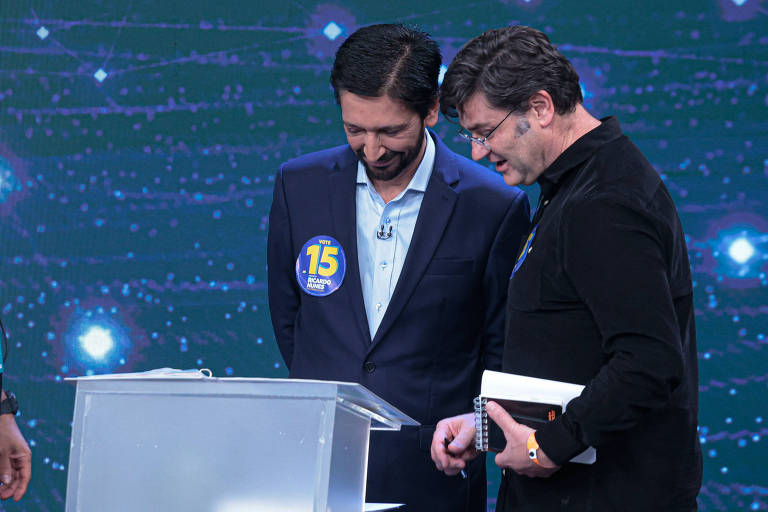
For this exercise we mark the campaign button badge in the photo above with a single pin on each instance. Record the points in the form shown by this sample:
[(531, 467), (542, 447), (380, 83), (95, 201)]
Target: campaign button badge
[(321, 266)]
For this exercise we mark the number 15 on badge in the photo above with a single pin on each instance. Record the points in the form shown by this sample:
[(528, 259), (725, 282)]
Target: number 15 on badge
[(321, 266)]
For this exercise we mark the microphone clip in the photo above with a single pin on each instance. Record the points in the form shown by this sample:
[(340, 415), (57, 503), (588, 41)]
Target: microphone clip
[(384, 235)]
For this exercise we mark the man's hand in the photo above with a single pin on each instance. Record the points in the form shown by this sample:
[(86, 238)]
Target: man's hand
[(454, 443), (515, 454), (15, 459)]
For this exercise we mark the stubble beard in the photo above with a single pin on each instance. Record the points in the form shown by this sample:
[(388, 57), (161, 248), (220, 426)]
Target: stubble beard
[(406, 159)]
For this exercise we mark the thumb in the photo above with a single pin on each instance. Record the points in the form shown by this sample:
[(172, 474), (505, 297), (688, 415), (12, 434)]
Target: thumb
[(463, 440), (501, 418)]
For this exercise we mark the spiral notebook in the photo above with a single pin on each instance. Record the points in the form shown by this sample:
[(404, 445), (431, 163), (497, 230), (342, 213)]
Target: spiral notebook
[(530, 401)]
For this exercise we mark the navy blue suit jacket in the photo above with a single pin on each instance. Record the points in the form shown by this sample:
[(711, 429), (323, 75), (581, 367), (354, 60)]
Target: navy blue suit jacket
[(443, 326)]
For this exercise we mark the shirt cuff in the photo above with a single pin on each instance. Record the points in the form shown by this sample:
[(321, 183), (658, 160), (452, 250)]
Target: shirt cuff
[(560, 440)]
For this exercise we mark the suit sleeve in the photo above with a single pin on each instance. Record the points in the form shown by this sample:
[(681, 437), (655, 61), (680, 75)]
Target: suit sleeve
[(614, 256), (284, 295), (513, 228)]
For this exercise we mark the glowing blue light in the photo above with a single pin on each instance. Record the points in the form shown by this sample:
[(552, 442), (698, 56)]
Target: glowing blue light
[(440, 77), (332, 31), (7, 181), (741, 250), (97, 342), (739, 3), (585, 93), (100, 75), (42, 33)]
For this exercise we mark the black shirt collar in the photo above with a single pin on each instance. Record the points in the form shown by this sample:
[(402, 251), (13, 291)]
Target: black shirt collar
[(577, 153)]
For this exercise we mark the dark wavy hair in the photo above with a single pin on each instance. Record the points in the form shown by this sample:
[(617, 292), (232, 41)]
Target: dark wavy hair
[(394, 60), (508, 65)]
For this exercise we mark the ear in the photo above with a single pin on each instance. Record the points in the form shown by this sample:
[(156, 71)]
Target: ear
[(432, 115), (543, 108)]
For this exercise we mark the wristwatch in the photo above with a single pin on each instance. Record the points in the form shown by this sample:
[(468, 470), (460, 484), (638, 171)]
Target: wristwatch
[(533, 448), (10, 405)]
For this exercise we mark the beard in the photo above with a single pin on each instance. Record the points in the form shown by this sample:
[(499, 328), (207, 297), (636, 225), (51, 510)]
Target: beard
[(398, 161)]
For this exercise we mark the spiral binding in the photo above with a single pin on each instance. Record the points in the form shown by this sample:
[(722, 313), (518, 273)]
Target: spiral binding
[(481, 424)]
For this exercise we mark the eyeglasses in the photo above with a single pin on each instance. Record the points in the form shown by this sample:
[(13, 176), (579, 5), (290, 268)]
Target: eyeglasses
[(482, 142)]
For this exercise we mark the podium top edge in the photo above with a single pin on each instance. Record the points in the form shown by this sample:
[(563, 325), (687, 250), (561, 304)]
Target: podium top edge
[(344, 392)]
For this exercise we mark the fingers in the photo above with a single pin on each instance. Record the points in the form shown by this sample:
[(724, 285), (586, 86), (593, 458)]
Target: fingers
[(440, 455), (15, 459), (453, 444), (23, 474), (6, 471), (463, 440), (6, 476)]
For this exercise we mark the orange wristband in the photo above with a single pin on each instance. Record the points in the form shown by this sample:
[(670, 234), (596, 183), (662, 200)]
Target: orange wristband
[(533, 448)]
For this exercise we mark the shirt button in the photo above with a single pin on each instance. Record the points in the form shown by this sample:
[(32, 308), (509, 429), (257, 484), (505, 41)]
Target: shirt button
[(546, 202), (370, 366), (387, 221), (383, 265), (378, 306), (530, 249)]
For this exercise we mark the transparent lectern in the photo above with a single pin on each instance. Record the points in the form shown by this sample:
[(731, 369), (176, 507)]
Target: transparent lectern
[(184, 442)]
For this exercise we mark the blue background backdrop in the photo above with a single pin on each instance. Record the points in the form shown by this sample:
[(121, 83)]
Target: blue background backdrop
[(138, 140)]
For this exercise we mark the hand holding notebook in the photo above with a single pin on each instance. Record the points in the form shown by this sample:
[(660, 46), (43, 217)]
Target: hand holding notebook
[(530, 401), (516, 452)]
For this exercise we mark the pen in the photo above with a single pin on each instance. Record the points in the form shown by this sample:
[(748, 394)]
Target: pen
[(446, 441)]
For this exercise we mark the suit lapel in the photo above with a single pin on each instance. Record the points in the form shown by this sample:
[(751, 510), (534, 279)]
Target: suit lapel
[(434, 214), (342, 190)]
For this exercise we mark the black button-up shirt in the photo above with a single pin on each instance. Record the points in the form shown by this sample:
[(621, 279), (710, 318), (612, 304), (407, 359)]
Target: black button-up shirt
[(603, 298)]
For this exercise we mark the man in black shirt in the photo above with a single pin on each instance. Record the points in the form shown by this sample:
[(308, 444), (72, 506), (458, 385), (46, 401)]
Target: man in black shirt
[(601, 293)]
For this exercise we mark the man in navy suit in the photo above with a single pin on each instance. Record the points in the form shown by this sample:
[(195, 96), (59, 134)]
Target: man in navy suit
[(389, 260)]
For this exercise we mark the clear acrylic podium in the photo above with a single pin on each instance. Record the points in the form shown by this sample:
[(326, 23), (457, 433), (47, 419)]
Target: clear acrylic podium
[(184, 442)]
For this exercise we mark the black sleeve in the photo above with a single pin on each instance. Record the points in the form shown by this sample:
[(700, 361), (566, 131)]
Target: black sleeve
[(615, 256)]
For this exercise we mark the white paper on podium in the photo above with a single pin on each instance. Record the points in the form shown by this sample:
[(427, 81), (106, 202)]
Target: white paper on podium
[(378, 507), (158, 373)]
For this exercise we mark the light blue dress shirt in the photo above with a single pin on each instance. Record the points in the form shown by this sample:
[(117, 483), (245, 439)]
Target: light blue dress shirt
[(381, 261)]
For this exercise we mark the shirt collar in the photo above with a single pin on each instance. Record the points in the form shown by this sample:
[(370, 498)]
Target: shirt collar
[(584, 147), (420, 178)]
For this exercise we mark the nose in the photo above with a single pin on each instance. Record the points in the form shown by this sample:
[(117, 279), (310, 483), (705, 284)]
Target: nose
[(478, 151), (373, 149)]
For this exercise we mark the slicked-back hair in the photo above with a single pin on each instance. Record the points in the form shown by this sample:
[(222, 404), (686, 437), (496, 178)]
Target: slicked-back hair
[(394, 60), (508, 65)]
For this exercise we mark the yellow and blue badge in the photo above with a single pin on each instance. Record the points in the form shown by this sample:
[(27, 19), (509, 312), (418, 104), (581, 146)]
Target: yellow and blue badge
[(321, 266), (526, 249)]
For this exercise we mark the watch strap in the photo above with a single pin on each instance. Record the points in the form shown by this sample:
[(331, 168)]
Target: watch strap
[(533, 448), (9, 405)]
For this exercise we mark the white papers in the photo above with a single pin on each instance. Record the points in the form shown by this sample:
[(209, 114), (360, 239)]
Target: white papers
[(159, 373), (529, 389)]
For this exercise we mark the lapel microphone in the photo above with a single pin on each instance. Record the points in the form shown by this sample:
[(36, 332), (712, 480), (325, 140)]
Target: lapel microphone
[(384, 235)]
